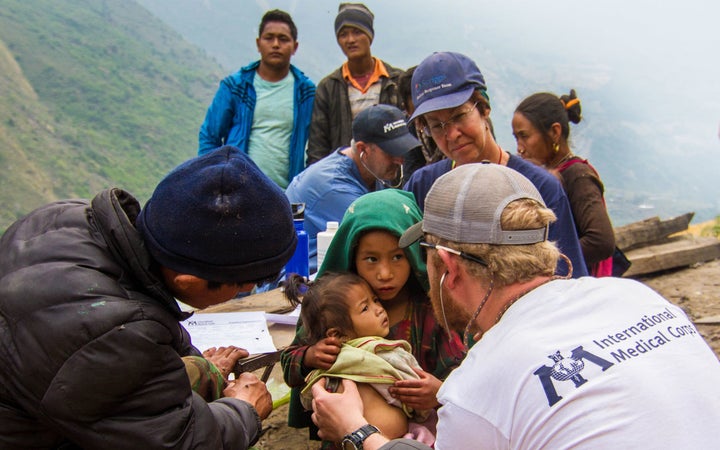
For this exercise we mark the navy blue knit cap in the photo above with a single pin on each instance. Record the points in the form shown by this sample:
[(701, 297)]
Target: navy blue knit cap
[(218, 217)]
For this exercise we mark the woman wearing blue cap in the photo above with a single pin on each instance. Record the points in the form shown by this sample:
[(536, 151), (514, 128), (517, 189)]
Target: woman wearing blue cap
[(453, 106)]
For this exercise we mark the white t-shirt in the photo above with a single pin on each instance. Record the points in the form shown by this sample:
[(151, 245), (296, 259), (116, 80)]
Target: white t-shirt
[(585, 364)]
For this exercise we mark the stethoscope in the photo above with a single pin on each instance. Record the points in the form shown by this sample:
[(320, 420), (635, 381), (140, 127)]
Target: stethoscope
[(384, 182)]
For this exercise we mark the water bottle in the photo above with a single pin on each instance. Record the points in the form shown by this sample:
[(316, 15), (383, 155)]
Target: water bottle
[(323, 241), (299, 263)]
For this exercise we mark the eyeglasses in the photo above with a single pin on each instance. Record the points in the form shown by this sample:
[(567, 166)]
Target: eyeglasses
[(459, 119), (459, 253)]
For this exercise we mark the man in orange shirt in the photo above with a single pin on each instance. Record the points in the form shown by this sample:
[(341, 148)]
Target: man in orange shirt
[(361, 81)]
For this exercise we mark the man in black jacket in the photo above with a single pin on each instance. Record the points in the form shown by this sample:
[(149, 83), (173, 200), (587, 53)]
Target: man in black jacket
[(362, 81), (90, 341)]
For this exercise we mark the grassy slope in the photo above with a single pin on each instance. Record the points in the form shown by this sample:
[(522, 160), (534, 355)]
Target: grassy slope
[(93, 94), (24, 124)]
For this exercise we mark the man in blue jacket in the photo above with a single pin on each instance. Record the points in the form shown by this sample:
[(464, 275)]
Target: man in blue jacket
[(373, 161), (267, 116)]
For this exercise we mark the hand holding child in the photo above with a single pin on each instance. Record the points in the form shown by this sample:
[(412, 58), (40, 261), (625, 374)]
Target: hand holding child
[(418, 394), (322, 355), (337, 414)]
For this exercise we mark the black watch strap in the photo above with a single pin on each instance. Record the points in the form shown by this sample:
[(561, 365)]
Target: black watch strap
[(354, 440)]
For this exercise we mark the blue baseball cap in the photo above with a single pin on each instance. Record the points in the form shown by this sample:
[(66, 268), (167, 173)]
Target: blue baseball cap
[(384, 126), (444, 80)]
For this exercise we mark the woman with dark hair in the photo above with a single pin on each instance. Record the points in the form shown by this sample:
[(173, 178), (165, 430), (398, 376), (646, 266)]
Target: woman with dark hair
[(541, 126), (452, 104)]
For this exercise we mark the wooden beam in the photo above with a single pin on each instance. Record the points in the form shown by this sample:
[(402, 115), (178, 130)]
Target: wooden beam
[(681, 251), (649, 230), (710, 320), (272, 301)]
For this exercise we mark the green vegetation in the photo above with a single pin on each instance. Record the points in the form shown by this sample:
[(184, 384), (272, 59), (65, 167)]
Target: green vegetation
[(713, 229), (93, 94)]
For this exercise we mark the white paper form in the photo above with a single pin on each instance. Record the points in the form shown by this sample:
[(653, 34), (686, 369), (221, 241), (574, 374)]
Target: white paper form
[(246, 330), (290, 318)]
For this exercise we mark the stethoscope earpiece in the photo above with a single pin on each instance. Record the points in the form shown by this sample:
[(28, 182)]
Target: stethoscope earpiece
[(383, 182)]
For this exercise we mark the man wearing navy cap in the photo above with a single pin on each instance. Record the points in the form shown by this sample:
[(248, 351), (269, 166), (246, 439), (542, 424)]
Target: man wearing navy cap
[(372, 161), (92, 345)]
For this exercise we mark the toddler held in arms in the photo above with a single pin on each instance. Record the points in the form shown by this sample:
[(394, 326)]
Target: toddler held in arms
[(342, 306)]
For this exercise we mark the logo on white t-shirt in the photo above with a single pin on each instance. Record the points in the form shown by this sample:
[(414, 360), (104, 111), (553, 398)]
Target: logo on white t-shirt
[(567, 369)]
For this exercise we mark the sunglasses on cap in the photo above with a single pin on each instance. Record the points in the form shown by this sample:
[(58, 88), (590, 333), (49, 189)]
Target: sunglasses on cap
[(464, 255)]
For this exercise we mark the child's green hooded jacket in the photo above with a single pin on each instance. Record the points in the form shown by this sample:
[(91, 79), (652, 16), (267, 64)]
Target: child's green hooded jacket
[(394, 211), (390, 210)]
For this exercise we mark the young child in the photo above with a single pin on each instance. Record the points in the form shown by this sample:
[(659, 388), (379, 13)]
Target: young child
[(343, 306), (366, 243)]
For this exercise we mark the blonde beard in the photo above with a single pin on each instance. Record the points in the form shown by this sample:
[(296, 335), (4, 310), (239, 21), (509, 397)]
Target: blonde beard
[(457, 318)]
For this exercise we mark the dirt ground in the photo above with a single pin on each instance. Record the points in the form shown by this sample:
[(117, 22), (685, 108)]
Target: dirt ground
[(695, 289)]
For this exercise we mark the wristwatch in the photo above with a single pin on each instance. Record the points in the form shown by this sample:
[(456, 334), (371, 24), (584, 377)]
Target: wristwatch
[(354, 440)]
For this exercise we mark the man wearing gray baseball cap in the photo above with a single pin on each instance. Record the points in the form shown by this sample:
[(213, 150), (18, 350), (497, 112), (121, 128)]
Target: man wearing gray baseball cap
[(557, 363)]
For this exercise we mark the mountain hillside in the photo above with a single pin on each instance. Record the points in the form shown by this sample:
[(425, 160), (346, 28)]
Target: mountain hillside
[(93, 94), (22, 181)]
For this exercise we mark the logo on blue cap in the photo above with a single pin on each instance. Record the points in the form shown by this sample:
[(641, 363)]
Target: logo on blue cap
[(444, 80)]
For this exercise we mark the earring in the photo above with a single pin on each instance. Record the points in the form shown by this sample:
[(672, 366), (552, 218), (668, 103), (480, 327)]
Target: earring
[(556, 147)]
